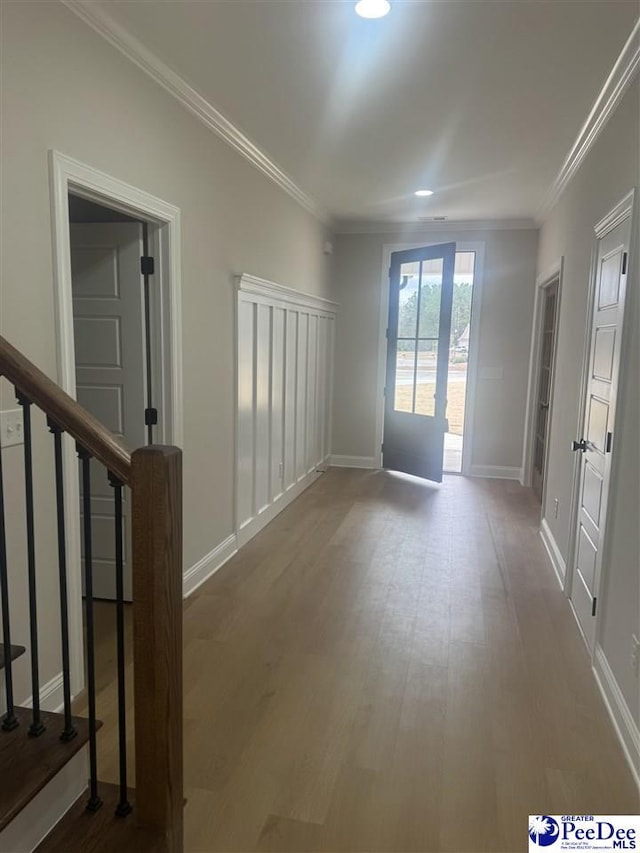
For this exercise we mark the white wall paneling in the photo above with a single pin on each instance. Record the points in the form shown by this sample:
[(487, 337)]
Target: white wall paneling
[(284, 388), (301, 394)]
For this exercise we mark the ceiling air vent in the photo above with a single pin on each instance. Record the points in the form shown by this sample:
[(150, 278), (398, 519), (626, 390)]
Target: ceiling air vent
[(432, 218)]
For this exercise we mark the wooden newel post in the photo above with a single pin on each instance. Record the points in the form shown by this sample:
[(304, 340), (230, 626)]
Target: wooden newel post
[(156, 486)]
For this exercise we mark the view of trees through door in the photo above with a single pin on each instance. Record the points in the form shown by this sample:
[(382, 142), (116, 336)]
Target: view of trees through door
[(458, 351)]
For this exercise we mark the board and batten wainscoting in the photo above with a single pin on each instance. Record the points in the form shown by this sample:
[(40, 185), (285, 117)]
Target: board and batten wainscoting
[(284, 390)]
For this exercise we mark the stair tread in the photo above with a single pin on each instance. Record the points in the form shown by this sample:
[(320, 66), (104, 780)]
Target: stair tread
[(16, 651), (101, 831), (27, 763)]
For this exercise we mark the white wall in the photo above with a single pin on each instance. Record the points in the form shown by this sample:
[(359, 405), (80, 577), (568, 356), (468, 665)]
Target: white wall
[(504, 337), (64, 87), (285, 349), (610, 170)]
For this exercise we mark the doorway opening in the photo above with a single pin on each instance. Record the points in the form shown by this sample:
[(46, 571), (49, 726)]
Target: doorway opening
[(418, 336), (546, 315), (123, 207), (114, 344), (548, 333), (458, 368)]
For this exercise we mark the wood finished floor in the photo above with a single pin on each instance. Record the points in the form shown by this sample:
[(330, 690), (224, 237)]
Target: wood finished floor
[(388, 666)]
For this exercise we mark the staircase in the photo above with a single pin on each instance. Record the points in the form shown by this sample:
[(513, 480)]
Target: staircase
[(38, 746)]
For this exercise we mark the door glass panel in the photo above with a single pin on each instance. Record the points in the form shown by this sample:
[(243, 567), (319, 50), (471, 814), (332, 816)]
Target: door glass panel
[(418, 328), (408, 300), (430, 296), (405, 376), (426, 377)]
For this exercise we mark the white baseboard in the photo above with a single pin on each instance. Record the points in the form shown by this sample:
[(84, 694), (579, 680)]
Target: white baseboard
[(47, 808), (215, 559), (254, 525), (51, 699), (51, 696), (208, 565), (555, 557), (624, 724), (353, 462), (497, 472)]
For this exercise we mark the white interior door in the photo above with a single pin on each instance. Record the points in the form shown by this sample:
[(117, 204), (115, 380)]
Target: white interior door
[(110, 367), (598, 438)]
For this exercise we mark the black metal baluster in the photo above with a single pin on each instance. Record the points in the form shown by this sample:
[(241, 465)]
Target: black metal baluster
[(123, 807), (9, 721), (36, 728), (94, 802), (69, 731)]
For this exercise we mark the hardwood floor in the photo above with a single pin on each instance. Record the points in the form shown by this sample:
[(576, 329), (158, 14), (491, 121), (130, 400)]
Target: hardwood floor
[(388, 666)]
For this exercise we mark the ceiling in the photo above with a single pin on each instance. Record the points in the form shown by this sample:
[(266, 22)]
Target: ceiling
[(478, 100)]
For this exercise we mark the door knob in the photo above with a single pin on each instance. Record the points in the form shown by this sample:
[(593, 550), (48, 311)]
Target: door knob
[(580, 445)]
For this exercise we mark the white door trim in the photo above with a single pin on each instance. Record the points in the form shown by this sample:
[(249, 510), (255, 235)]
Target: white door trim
[(476, 304), (553, 273), (65, 175), (625, 208)]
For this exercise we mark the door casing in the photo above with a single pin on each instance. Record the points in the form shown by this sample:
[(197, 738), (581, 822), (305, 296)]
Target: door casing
[(554, 273), (476, 303), (68, 175)]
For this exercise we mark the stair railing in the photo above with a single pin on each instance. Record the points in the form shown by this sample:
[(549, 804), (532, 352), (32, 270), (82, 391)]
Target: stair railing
[(154, 476)]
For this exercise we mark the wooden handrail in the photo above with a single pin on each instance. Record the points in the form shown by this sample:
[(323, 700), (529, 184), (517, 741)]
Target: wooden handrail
[(65, 411), (154, 475)]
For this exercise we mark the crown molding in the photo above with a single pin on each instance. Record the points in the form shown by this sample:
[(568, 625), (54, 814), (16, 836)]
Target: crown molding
[(254, 286), (450, 225), (620, 77), (192, 100)]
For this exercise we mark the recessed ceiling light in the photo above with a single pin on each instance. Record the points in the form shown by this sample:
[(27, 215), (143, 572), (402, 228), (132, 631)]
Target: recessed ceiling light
[(423, 193), (373, 8)]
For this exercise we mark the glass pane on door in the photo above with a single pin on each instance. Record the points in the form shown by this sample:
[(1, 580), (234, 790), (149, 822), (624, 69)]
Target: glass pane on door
[(405, 376), (426, 377), (408, 300), (430, 297), (420, 294)]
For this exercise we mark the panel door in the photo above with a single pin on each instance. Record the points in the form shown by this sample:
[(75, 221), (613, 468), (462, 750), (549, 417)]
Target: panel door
[(596, 444), (109, 338), (418, 339)]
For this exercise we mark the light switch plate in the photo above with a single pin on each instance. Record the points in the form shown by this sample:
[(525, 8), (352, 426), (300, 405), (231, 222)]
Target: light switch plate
[(11, 428)]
